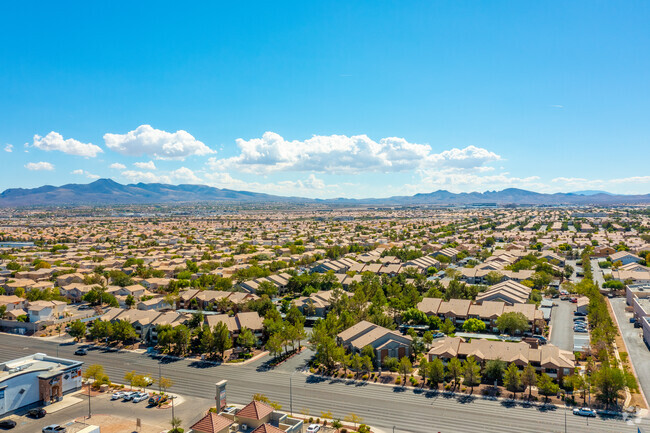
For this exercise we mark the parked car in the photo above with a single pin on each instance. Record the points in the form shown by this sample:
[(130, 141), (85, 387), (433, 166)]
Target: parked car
[(7, 424), (574, 300), (54, 428), (579, 319), (580, 330), (438, 335), (140, 397), (81, 352), (154, 399), (37, 413), (584, 411), (541, 339), (148, 380), (313, 428), (129, 396), (579, 313), (117, 395)]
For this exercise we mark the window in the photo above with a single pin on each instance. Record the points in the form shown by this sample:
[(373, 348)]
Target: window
[(2, 393)]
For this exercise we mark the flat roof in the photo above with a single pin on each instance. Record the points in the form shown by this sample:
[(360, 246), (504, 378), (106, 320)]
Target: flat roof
[(49, 366)]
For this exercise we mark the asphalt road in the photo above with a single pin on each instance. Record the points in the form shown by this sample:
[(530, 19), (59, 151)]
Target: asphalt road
[(636, 348), (562, 324), (382, 406)]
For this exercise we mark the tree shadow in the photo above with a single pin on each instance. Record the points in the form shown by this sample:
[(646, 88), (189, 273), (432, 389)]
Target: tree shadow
[(203, 364), (315, 379), (466, 399), (399, 388)]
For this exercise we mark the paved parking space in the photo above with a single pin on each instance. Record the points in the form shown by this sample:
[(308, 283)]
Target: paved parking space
[(636, 348), (562, 324), (114, 416)]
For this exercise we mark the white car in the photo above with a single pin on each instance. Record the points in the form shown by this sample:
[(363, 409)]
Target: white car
[(54, 428), (129, 395), (118, 395), (140, 397), (585, 411), (313, 428)]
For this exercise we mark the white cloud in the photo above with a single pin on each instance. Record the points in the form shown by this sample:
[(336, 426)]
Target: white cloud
[(185, 175), (55, 141), (81, 172), (343, 154), (117, 166), (146, 165), (144, 176), (145, 140), (9, 148), (304, 188), (39, 166)]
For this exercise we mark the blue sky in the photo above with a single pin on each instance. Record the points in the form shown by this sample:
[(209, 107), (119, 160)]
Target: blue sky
[(328, 99)]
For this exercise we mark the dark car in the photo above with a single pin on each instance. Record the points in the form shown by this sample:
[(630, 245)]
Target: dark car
[(579, 313), (37, 413), (81, 352), (7, 424)]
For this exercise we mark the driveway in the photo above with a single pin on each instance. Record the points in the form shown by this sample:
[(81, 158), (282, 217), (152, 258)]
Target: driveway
[(562, 325), (636, 348), (598, 272)]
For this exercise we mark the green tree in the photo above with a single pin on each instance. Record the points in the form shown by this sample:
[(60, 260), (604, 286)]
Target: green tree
[(267, 288), (512, 323), (436, 372), (471, 373), (609, 383), (123, 331), (512, 379), (546, 386), (246, 339), (454, 369), (77, 330), (473, 325), (222, 338), (529, 379), (448, 327), (494, 370), (101, 329), (405, 367), (130, 301), (493, 277)]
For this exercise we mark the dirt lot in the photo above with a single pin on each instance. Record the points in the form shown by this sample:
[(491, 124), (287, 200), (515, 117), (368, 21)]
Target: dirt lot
[(115, 424)]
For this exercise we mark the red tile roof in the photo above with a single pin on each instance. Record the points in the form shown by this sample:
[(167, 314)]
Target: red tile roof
[(211, 423), (255, 410), (268, 428)]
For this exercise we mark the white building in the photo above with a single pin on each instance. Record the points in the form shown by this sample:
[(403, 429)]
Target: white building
[(36, 378)]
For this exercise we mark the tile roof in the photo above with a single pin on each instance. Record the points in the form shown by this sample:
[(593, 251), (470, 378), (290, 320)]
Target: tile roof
[(255, 410), (268, 428), (211, 423)]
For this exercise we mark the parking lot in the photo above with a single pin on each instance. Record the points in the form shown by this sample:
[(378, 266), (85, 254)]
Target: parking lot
[(562, 327), (113, 416)]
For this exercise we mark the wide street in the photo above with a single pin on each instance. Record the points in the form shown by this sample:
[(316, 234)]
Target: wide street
[(382, 406), (636, 348)]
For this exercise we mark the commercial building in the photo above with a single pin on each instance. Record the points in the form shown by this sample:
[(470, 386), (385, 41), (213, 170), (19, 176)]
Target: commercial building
[(37, 378)]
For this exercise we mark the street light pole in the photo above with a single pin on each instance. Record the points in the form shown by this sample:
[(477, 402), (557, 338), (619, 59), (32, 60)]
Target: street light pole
[(89, 411)]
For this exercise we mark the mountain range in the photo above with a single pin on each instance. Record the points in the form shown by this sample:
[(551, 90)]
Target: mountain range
[(109, 192)]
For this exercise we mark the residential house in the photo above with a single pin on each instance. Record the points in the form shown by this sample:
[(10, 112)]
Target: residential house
[(384, 341)]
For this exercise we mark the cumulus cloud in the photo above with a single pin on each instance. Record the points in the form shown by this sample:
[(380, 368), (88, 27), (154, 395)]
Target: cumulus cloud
[(81, 172), (298, 187), (55, 141), (117, 166), (146, 165), (39, 166), (9, 148), (343, 154), (145, 140), (144, 176), (185, 175)]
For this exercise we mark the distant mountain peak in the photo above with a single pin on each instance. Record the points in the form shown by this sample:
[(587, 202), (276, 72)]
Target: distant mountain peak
[(109, 192)]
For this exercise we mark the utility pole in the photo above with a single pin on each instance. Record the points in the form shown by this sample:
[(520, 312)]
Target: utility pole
[(89, 411)]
